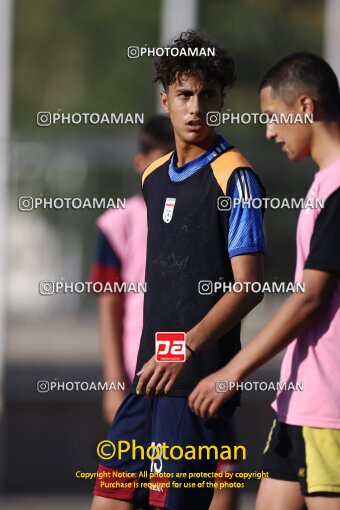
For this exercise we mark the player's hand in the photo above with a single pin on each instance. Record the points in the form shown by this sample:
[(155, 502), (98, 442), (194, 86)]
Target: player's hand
[(211, 393), (158, 377)]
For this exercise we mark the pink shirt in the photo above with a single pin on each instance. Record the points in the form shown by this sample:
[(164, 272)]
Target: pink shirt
[(126, 231), (314, 357)]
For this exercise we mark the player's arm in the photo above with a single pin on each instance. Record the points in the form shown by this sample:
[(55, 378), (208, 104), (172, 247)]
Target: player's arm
[(246, 246), (292, 318), (321, 273), (233, 306), (110, 316)]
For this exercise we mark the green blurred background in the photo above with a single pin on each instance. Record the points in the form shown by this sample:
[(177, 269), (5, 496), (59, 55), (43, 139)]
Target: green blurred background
[(71, 55)]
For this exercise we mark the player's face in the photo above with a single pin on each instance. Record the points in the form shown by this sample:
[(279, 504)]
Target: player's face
[(295, 139), (188, 101)]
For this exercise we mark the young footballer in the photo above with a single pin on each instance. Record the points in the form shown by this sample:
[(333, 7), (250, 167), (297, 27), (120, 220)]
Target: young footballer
[(192, 240), (302, 453), (120, 255)]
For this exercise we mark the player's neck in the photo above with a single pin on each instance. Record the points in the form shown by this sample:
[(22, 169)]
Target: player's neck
[(326, 144), (187, 152)]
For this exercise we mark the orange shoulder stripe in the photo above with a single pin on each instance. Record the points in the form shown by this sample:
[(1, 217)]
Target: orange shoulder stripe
[(156, 164), (224, 165)]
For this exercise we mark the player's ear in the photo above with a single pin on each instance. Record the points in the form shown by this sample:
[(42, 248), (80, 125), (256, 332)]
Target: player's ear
[(306, 104), (164, 101)]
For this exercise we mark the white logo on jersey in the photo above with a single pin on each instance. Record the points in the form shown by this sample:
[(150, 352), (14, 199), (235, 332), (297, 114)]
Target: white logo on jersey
[(168, 209)]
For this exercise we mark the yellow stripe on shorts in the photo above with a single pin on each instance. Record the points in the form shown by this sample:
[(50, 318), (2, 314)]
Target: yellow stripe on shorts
[(269, 436), (322, 447)]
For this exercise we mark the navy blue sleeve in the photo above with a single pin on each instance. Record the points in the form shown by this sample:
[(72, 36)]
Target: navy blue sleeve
[(107, 266)]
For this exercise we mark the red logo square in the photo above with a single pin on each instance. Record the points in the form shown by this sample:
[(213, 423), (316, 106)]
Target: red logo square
[(170, 346)]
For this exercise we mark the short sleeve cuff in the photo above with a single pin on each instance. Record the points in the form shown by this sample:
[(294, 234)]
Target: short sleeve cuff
[(243, 250)]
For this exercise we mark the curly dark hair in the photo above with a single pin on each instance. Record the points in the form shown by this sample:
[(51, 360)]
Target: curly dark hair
[(219, 68)]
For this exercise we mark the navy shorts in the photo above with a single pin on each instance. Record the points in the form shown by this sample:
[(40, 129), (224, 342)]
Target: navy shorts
[(154, 421)]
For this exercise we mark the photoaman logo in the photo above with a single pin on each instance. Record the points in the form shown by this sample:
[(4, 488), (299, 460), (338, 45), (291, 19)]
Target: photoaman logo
[(170, 346)]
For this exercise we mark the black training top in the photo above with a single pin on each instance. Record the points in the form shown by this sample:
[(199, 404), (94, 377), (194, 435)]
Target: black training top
[(187, 243)]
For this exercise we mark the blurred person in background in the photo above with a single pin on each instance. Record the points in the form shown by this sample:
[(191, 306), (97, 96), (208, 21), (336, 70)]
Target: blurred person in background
[(120, 257)]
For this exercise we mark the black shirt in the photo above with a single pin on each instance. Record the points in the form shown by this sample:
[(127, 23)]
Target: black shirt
[(324, 253), (186, 245)]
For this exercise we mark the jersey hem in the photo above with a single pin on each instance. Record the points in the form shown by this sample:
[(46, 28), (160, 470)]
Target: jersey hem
[(180, 392), (183, 392), (306, 421), (322, 267), (245, 250)]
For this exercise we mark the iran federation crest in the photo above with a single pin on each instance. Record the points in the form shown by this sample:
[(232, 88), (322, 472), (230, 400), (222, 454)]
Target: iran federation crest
[(168, 209)]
